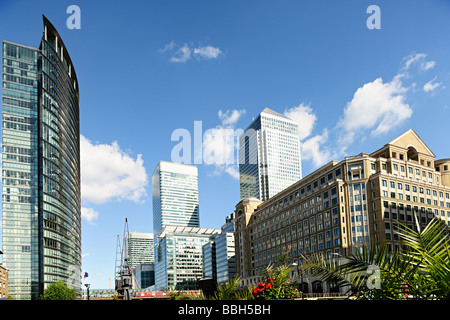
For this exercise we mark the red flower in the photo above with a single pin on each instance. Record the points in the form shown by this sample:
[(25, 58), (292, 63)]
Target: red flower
[(261, 284), (270, 280), (268, 286), (256, 291)]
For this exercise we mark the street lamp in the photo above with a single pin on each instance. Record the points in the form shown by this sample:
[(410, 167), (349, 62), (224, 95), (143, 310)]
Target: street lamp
[(295, 264), (301, 277), (87, 285)]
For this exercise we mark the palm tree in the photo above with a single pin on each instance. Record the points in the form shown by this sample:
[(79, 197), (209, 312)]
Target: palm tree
[(230, 291), (420, 271)]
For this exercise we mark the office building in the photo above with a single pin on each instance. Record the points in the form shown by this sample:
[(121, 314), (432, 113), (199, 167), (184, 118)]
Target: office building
[(3, 282), (225, 252), (219, 254), (209, 259), (140, 248), (175, 196), (178, 257), (41, 217), (269, 156), (343, 206), (144, 275)]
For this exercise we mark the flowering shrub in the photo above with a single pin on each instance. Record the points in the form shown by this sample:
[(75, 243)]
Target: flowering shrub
[(265, 290), (276, 286)]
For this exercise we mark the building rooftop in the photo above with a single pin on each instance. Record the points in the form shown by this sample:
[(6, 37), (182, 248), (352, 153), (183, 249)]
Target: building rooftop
[(270, 111), (187, 230)]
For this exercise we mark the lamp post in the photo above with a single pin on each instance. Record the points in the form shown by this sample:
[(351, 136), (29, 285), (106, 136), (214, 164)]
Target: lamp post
[(87, 285), (301, 277)]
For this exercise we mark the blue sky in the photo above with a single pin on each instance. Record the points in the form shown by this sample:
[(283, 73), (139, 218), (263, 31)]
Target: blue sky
[(148, 68)]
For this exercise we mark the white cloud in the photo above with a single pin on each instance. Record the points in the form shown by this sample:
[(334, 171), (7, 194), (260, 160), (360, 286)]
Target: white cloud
[(427, 65), (376, 105), (220, 143), (304, 116), (168, 47), (230, 117), (108, 173), (411, 59), (187, 51), (183, 54), (219, 146), (313, 149), (207, 52), (89, 214), (419, 59), (431, 85), (232, 171)]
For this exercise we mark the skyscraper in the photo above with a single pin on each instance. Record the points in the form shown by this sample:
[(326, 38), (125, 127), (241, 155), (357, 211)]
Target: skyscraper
[(140, 248), (41, 217), (175, 196), (269, 156)]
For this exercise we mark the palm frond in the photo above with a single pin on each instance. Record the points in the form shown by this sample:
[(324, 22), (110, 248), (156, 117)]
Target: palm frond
[(429, 248), (227, 291), (422, 268)]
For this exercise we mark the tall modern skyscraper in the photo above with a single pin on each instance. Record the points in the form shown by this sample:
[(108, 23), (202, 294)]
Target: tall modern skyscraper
[(41, 220), (269, 156), (175, 196)]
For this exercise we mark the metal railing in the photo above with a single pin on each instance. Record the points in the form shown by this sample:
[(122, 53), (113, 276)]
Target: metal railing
[(324, 295)]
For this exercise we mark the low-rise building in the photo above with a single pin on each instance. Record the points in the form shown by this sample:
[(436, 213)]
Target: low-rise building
[(179, 257), (144, 275), (3, 282), (219, 254)]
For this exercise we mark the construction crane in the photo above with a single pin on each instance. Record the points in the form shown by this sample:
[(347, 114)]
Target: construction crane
[(123, 270)]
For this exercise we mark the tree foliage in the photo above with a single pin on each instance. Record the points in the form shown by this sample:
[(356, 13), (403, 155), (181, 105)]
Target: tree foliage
[(59, 291)]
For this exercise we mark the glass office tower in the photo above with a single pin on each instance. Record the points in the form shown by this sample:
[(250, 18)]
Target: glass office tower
[(140, 248), (269, 156), (175, 196), (225, 252), (41, 219), (219, 261)]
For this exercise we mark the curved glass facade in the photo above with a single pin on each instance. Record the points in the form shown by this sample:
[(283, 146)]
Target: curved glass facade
[(60, 162), (41, 215)]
